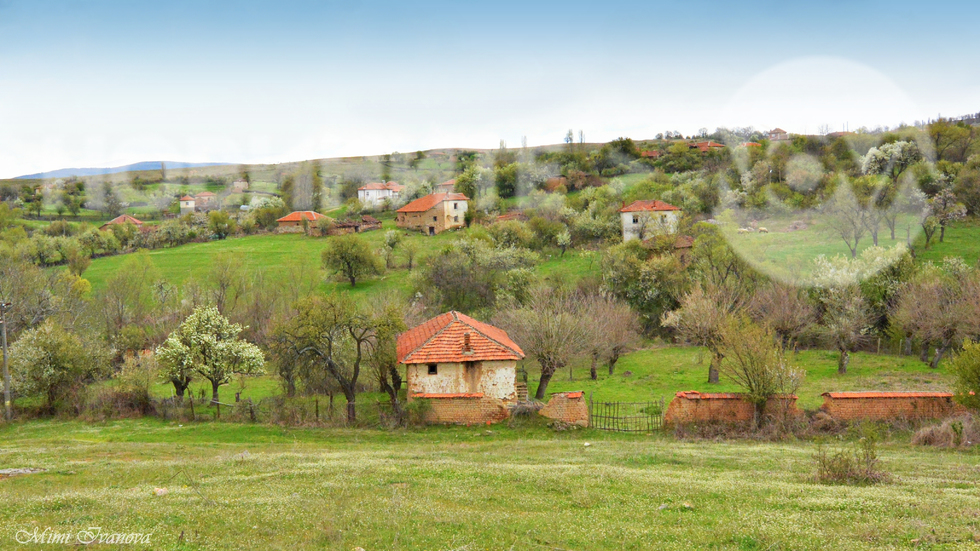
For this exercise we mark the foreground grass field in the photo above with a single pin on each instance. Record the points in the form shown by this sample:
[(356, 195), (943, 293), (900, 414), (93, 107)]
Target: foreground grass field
[(259, 487)]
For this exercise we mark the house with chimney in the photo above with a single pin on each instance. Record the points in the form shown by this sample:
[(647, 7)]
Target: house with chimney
[(645, 219), (434, 213), (464, 368)]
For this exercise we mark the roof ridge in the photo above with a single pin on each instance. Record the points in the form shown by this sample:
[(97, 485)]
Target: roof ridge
[(491, 339)]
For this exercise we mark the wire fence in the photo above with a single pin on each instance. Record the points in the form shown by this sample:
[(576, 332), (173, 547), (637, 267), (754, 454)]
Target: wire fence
[(626, 416)]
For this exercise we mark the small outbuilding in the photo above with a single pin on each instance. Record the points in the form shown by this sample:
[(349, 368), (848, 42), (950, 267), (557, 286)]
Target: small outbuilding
[(465, 368), (120, 220), (644, 219), (296, 218)]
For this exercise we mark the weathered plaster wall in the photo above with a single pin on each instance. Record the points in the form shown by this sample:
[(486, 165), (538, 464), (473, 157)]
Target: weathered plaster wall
[(493, 379)]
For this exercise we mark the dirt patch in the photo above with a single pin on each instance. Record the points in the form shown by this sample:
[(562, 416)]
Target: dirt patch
[(7, 473)]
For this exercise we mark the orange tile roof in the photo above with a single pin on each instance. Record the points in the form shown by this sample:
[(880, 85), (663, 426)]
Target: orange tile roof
[(122, 219), (449, 395), (637, 206), (205, 194), (299, 215), (187, 198), (876, 394), (695, 395), (425, 203), (441, 339), (572, 394), (652, 154), (448, 183), (751, 144), (704, 146)]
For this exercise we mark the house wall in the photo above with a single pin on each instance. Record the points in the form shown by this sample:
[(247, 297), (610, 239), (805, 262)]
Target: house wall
[(568, 407), (494, 379), (935, 406), (186, 207), (657, 222), (693, 407), (442, 217), (472, 410), (375, 196)]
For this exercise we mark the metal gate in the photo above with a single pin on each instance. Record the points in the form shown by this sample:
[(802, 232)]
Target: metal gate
[(626, 416)]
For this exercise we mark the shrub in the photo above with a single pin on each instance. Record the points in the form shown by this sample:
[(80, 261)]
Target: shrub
[(966, 368), (857, 464), (953, 433)]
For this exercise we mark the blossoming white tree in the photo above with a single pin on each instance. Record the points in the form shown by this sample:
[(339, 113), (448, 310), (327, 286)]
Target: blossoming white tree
[(207, 344)]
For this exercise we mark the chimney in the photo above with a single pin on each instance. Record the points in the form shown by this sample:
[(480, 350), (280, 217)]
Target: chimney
[(466, 344)]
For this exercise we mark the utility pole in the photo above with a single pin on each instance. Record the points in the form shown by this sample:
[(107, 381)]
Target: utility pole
[(4, 306)]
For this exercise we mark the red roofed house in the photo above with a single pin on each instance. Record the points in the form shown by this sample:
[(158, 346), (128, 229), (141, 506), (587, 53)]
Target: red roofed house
[(448, 186), (296, 218), (122, 219), (778, 135), (375, 193), (465, 368), (187, 204), (704, 147), (642, 219), (434, 213), (206, 200)]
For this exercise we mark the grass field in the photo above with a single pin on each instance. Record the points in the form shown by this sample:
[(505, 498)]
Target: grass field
[(280, 255), (259, 487)]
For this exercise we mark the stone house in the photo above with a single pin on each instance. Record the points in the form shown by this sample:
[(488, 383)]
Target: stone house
[(466, 369), (187, 204), (778, 135), (644, 219), (206, 200), (375, 193), (295, 219), (239, 186), (434, 213)]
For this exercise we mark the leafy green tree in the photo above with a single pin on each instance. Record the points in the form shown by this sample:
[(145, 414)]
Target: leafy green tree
[(220, 224), (111, 205), (207, 344), (965, 367), (351, 256), (50, 362), (844, 322)]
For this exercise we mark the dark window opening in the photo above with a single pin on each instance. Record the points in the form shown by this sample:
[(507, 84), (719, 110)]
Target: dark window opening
[(433, 370)]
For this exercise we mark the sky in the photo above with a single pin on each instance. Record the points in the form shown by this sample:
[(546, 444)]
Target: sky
[(105, 83)]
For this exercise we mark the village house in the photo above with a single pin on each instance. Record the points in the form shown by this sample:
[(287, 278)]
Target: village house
[(448, 186), (434, 213), (187, 204), (707, 146), (778, 135), (375, 193), (122, 219), (465, 368), (296, 218), (644, 219), (206, 200), (239, 186)]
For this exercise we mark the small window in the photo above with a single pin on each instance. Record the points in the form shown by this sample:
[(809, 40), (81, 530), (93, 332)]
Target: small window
[(636, 219), (455, 206), (455, 218), (435, 219), (663, 216), (433, 370)]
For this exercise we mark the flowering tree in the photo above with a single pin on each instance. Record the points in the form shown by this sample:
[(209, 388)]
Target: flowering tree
[(207, 344)]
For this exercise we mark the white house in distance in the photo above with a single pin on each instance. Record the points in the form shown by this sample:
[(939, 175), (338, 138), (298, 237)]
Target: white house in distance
[(375, 193), (644, 219), (778, 135), (187, 204)]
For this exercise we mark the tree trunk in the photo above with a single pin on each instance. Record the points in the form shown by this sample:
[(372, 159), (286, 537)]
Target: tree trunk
[(940, 350), (214, 391), (842, 361), (592, 370), (908, 346), (713, 368), (546, 374), (924, 353), (613, 358), (760, 414), (942, 232), (290, 387)]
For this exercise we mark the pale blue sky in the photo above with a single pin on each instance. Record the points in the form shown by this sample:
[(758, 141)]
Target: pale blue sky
[(105, 83)]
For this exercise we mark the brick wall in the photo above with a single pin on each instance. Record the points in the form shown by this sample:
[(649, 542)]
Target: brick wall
[(890, 405), (463, 409), (568, 407), (722, 407)]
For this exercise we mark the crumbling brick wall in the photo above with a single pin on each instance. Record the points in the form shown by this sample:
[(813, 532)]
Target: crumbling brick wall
[(692, 406), (568, 407), (889, 405), (463, 409)]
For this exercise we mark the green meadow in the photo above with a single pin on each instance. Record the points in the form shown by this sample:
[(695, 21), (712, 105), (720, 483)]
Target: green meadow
[(236, 486)]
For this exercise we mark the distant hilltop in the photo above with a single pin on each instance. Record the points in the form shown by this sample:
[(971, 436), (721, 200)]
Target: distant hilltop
[(145, 165)]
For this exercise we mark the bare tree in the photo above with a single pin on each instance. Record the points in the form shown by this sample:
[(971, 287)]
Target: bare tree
[(550, 327), (849, 217), (783, 308), (703, 314), (614, 330)]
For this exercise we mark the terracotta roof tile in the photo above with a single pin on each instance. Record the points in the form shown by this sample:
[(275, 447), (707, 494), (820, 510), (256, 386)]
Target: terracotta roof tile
[(393, 186), (695, 395), (636, 206), (441, 339), (425, 203), (875, 394), (122, 219), (299, 215), (187, 198)]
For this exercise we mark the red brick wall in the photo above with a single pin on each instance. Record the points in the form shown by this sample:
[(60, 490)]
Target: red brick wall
[(568, 407), (695, 407), (889, 405), (466, 410)]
